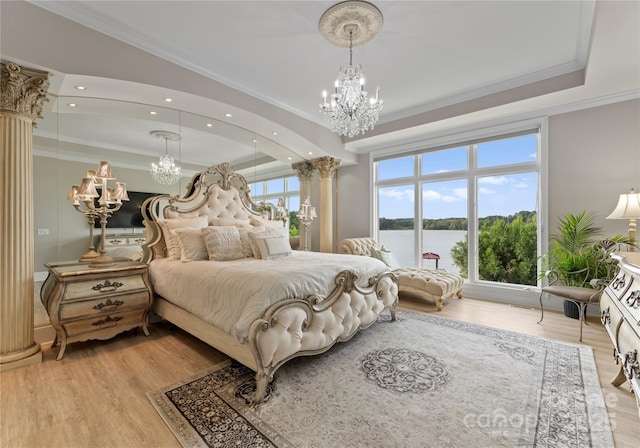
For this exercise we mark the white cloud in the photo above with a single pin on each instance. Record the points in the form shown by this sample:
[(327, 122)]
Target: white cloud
[(431, 195), (397, 194), (493, 180), (460, 192), (521, 185), (448, 198), (533, 155), (483, 190)]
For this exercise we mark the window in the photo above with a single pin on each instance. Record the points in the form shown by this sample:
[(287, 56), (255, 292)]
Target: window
[(470, 208), (285, 188)]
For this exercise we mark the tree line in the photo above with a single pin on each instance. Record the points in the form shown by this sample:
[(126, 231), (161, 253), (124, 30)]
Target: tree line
[(452, 223)]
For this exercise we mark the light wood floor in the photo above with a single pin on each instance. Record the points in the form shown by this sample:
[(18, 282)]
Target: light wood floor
[(95, 396)]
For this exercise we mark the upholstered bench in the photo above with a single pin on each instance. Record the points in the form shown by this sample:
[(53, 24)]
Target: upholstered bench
[(436, 284)]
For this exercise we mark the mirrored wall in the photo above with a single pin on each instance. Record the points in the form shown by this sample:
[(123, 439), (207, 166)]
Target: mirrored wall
[(75, 134)]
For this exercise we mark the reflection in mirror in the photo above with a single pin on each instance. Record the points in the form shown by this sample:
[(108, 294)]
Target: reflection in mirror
[(76, 133)]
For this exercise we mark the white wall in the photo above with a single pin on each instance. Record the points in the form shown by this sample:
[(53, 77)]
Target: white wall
[(594, 155)]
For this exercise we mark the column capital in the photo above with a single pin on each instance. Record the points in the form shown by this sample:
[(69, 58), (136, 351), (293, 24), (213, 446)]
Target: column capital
[(304, 169), (23, 90), (326, 166)]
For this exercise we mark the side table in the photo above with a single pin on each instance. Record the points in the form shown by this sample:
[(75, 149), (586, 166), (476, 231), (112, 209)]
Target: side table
[(96, 303)]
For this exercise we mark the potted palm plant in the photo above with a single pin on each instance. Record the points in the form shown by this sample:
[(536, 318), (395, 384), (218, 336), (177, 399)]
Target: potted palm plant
[(568, 257)]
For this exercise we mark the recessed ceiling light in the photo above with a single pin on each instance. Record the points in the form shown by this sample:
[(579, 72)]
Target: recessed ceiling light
[(254, 140), (209, 125), (81, 88), (168, 100), (310, 153), (153, 112), (228, 115), (274, 133), (289, 158), (72, 105)]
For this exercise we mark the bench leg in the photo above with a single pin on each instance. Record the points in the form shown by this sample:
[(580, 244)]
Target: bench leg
[(438, 300)]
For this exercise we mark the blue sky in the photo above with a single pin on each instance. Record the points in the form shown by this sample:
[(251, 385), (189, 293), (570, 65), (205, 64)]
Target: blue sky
[(502, 194)]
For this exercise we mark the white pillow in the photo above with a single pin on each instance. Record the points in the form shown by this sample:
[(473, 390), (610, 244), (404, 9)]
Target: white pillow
[(262, 231), (223, 243), (272, 246), (171, 240), (229, 222), (386, 257), (258, 222), (192, 246), (245, 231)]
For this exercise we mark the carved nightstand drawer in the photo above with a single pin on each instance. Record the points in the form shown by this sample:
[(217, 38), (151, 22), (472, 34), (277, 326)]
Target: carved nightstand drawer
[(103, 326), (96, 303), (97, 307), (103, 287), (630, 302), (619, 284), (610, 315)]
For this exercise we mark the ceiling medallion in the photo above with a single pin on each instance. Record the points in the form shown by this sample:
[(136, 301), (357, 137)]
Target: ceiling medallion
[(349, 111)]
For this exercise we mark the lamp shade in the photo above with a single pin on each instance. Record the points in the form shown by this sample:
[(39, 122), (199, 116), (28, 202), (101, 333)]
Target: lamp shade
[(104, 171), (87, 188), (628, 206), (73, 193), (120, 192)]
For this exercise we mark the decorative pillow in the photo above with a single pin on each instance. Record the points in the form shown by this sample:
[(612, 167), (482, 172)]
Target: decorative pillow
[(245, 238), (229, 222), (272, 246), (264, 231), (223, 243), (191, 244), (171, 240), (258, 222), (385, 256)]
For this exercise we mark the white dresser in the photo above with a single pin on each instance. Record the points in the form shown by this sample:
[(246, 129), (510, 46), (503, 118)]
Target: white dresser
[(620, 314)]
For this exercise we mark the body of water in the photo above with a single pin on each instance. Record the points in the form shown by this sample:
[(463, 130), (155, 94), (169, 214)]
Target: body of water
[(440, 242)]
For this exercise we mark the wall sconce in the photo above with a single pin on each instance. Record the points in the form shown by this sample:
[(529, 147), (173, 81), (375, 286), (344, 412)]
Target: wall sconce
[(628, 208), (110, 201), (305, 216)]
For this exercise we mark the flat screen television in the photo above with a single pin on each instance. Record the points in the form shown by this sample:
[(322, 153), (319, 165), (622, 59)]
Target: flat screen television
[(129, 215)]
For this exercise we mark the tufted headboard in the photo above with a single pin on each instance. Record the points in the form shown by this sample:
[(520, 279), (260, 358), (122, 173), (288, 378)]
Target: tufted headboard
[(358, 246), (218, 193)]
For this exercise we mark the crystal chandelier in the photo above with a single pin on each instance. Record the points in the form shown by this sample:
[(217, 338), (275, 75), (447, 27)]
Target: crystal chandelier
[(349, 110), (165, 172)]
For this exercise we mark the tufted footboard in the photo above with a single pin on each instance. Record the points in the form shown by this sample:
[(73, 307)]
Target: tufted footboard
[(299, 327)]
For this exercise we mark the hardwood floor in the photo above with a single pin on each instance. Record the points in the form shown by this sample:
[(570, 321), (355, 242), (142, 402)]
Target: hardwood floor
[(95, 396)]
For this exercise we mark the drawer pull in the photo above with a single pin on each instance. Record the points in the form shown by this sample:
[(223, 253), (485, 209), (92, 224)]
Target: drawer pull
[(108, 305), (631, 364), (619, 282), (634, 298), (107, 322), (605, 316), (108, 286)]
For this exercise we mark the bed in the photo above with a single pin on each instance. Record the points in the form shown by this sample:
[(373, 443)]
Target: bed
[(255, 300)]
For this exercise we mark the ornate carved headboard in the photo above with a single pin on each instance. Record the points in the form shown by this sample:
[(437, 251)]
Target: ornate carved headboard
[(217, 193)]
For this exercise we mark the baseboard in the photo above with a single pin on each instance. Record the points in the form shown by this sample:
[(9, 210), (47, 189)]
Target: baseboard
[(44, 334)]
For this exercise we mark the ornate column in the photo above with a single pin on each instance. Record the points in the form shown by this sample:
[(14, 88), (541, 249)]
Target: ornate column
[(326, 167), (304, 170), (23, 92)]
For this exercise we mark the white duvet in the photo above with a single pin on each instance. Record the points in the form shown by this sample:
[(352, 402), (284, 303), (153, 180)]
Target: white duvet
[(232, 294)]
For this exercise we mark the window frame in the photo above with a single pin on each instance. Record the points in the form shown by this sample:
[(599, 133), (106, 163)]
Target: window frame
[(466, 137)]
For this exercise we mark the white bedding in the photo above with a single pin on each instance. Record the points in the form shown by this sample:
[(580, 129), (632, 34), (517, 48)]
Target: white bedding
[(232, 294)]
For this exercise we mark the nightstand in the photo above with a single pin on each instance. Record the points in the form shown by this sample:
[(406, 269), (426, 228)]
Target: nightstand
[(96, 303)]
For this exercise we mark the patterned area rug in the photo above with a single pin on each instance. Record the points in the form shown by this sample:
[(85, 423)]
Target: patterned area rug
[(422, 381)]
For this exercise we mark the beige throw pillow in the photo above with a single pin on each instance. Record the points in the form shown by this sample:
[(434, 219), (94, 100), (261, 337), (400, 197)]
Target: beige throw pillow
[(171, 240), (272, 245), (223, 243), (191, 244)]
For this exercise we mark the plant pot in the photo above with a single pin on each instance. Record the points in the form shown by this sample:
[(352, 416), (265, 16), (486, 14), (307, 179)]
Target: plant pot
[(571, 310)]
